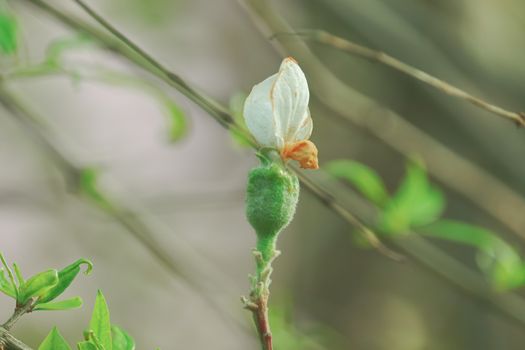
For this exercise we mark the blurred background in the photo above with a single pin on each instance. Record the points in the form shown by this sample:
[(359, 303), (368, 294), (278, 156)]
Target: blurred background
[(328, 292)]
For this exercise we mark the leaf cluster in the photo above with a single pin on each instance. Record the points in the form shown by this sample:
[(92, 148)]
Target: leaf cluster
[(417, 206)]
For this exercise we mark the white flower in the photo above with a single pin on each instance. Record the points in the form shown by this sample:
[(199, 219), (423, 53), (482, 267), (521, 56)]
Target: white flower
[(276, 113)]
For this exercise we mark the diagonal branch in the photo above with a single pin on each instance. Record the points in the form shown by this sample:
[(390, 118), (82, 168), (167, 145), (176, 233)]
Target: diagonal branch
[(350, 47), (9, 342)]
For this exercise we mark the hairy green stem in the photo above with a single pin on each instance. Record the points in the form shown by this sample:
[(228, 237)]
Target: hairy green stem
[(260, 290)]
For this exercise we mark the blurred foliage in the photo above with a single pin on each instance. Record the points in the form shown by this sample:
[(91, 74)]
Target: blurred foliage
[(152, 12), (177, 121), (8, 33), (417, 205), (287, 335)]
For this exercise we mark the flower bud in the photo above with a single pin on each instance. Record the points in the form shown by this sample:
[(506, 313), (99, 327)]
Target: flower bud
[(271, 199)]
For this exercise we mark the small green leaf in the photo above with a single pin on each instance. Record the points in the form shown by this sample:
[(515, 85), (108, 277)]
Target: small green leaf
[(68, 304), (365, 179), (8, 34), (54, 341), (100, 323), (37, 285), (89, 186), (416, 202), (121, 339), (496, 258), (177, 121), (18, 274), (5, 285), (65, 278), (85, 345), (10, 275), (56, 48)]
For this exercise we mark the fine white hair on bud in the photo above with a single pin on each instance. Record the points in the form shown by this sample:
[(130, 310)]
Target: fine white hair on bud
[(277, 115)]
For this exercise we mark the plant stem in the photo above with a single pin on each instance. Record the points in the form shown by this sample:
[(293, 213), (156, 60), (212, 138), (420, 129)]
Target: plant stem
[(19, 312), (7, 341), (345, 45), (260, 294)]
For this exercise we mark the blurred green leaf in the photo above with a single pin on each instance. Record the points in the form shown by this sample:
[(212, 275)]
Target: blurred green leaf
[(65, 278), (5, 285), (100, 323), (18, 274), (54, 341), (37, 285), (496, 258), (416, 202), (58, 47), (11, 280), (287, 336), (121, 339), (68, 304), (178, 124), (85, 345), (236, 109), (365, 179), (89, 186), (8, 33)]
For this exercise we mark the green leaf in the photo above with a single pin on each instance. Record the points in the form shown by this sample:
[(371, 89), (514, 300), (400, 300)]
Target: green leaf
[(18, 274), (37, 285), (11, 280), (65, 278), (100, 323), (56, 48), (89, 186), (177, 121), (8, 34), (496, 258), (54, 341), (5, 285), (365, 179), (68, 304), (85, 345), (121, 339), (416, 202)]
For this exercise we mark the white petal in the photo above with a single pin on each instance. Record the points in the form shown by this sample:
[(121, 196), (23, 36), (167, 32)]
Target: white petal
[(305, 130), (290, 98), (259, 115)]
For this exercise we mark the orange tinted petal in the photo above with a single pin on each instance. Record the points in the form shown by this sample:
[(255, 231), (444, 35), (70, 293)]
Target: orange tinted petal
[(305, 152)]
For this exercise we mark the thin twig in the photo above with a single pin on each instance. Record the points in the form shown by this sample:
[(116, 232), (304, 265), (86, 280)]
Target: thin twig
[(19, 312), (7, 341), (350, 47)]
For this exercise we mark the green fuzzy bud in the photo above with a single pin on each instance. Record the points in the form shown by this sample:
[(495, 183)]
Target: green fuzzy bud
[(271, 199)]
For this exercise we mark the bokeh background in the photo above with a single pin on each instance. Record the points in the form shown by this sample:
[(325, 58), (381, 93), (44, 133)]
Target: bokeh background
[(328, 292)]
